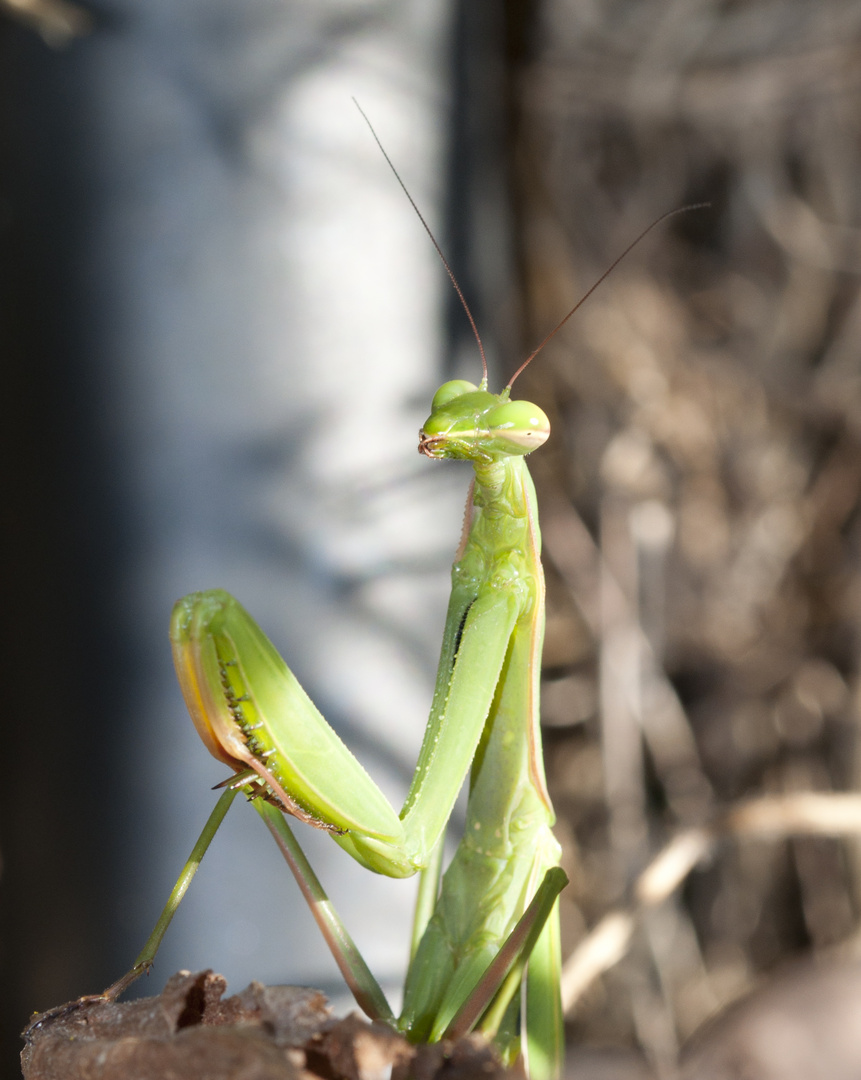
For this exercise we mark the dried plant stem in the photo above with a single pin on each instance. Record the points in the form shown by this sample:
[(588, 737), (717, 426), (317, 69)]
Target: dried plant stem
[(769, 817)]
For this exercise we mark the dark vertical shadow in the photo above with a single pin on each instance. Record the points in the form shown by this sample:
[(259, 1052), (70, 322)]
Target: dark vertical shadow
[(490, 42), (62, 544), (477, 184)]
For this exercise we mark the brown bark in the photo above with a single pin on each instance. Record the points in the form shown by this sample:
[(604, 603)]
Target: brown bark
[(264, 1033)]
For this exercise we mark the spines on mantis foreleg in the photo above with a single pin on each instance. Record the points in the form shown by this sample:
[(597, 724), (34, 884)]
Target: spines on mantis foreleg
[(251, 712)]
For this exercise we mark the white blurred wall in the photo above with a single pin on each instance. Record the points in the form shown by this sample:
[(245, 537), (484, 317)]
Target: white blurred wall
[(274, 343)]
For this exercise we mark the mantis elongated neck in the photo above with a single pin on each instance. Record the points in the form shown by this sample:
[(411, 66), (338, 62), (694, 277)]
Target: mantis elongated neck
[(490, 476), (502, 492)]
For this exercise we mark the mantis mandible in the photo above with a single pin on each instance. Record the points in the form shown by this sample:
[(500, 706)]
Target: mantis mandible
[(485, 949)]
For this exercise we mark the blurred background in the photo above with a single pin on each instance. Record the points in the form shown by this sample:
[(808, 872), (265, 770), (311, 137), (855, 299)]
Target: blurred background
[(221, 328)]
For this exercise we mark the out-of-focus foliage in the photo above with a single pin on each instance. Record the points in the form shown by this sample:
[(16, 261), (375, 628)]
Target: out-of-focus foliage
[(707, 430)]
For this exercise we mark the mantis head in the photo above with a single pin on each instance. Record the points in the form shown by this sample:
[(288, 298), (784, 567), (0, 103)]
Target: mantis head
[(468, 422)]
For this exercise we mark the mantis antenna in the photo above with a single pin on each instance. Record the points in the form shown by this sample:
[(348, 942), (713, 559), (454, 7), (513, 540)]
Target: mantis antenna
[(449, 271), (603, 277)]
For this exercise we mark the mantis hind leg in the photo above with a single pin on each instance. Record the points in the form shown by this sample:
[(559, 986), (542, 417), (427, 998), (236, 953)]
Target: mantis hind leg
[(446, 999), (543, 1033)]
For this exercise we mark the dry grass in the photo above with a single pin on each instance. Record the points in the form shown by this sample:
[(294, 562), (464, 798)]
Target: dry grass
[(701, 492)]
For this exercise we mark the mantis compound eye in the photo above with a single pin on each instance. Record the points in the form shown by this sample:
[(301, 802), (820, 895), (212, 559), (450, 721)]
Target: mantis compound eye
[(450, 390), (520, 425)]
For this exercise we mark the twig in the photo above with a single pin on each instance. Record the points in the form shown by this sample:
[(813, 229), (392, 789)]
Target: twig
[(770, 817)]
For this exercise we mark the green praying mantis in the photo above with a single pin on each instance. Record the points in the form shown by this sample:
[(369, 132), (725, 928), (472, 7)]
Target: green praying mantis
[(485, 952)]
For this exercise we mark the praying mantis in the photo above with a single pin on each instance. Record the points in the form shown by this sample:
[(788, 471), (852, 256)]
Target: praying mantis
[(485, 951)]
